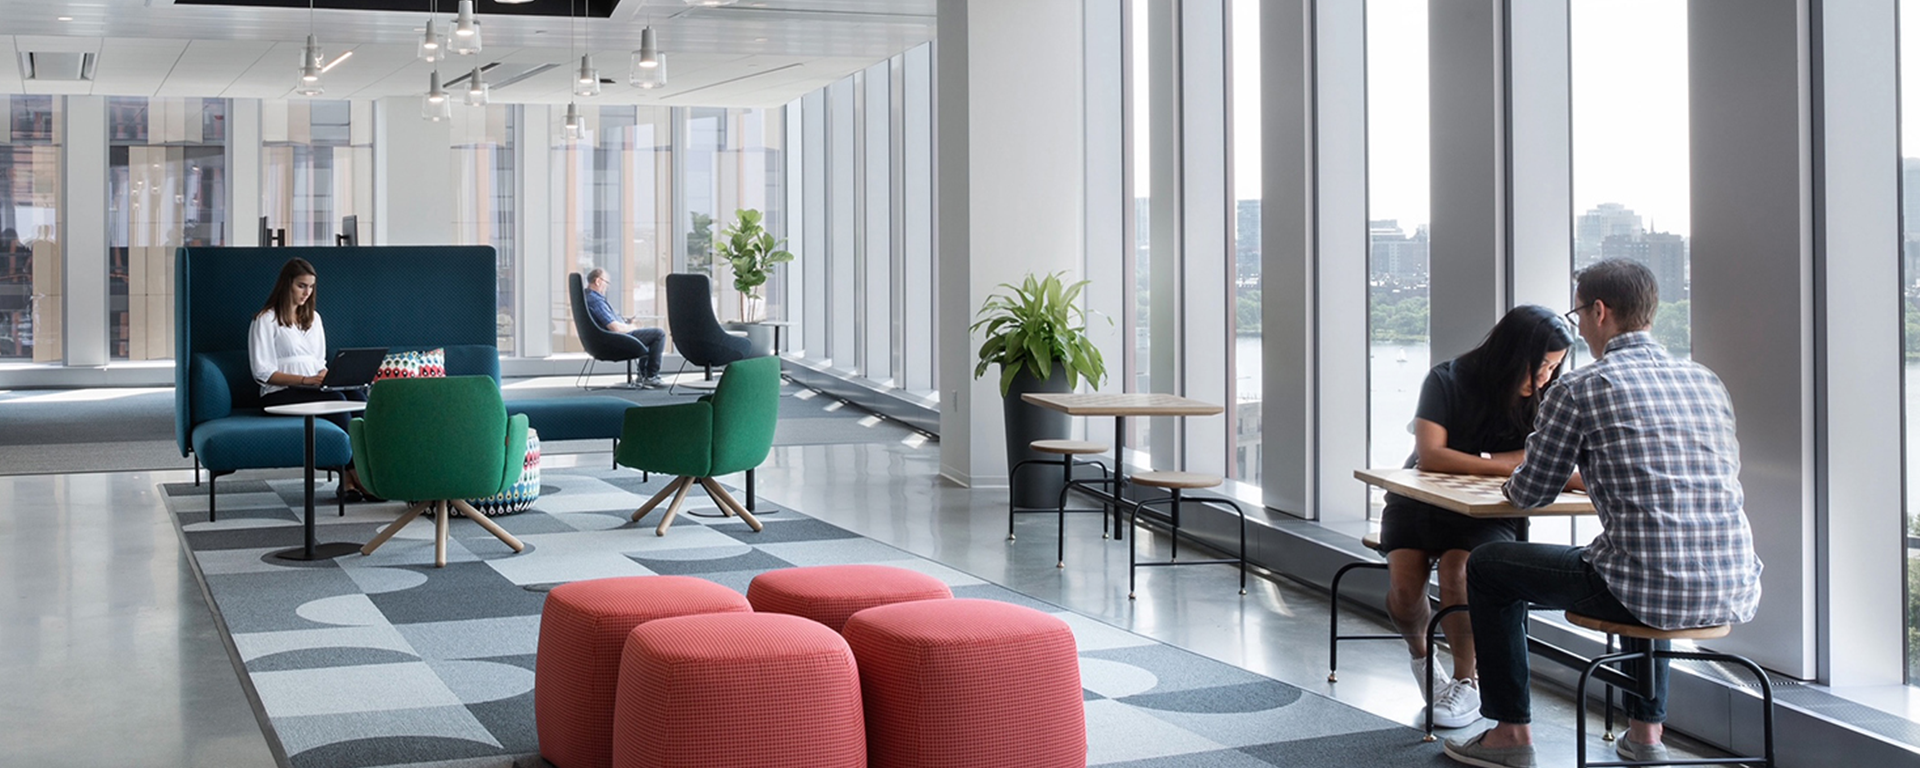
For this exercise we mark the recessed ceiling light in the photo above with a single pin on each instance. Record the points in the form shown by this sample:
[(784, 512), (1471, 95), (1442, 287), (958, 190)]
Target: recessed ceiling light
[(64, 18), (759, 39)]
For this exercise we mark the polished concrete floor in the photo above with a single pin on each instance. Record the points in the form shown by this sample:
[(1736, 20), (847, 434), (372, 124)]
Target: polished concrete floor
[(112, 656)]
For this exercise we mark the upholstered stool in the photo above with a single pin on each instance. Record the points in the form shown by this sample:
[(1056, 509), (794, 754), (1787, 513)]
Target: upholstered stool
[(583, 626), (738, 690), (969, 684), (1175, 483), (1067, 451), (830, 594), (1637, 644)]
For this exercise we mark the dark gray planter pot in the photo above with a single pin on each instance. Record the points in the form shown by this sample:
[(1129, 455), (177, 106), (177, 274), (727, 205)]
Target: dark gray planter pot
[(1035, 486)]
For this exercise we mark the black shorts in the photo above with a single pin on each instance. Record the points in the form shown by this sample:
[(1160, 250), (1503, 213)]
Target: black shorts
[(1410, 524)]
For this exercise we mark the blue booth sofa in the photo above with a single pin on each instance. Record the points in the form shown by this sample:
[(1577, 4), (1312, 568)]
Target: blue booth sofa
[(399, 297)]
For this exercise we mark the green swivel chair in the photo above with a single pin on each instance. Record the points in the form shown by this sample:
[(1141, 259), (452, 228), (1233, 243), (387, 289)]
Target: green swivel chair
[(728, 431), (438, 442)]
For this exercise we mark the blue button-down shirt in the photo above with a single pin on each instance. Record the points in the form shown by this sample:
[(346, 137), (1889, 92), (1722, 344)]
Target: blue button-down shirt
[(1653, 438)]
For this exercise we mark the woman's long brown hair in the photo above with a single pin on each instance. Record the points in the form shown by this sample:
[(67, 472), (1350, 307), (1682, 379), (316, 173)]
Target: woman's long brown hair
[(282, 296)]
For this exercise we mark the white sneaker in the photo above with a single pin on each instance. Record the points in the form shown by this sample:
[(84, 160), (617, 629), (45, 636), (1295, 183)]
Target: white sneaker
[(1458, 704), (1434, 683)]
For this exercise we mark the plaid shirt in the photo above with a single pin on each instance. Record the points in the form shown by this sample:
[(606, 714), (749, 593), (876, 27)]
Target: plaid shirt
[(1654, 440)]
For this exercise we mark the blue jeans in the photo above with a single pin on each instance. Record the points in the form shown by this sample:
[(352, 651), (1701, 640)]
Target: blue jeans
[(1503, 578), (655, 340)]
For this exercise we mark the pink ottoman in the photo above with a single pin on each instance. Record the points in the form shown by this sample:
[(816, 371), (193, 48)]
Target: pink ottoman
[(830, 594), (968, 684), (738, 690), (583, 627)]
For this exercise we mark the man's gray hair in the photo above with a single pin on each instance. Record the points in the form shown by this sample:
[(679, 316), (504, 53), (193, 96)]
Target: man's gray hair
[(595, 274)]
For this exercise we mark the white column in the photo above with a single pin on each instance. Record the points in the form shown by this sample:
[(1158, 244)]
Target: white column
[(243, 172), (413, 167), (1165, 222), (533, 156), (1753, 311), (1859, 319), (1468, 254), (1008, 160), (83, 217)]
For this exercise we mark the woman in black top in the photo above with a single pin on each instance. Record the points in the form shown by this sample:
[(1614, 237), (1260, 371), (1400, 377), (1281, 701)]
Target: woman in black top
[(1474, 415)]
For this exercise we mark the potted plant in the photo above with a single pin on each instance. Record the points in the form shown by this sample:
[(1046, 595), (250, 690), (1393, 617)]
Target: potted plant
[(751, 250), (1038, 337)]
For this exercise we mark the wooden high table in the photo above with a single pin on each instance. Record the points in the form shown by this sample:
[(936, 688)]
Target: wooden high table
[(1119, 406), (1470, 495)]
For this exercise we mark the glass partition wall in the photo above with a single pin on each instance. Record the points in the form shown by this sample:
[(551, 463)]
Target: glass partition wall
[(31, 261), (167, 187)]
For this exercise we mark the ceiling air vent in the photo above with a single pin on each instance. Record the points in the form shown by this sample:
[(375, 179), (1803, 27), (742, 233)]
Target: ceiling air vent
[(56, 66)]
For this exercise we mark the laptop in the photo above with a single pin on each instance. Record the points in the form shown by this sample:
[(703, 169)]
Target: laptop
[(353, 368)]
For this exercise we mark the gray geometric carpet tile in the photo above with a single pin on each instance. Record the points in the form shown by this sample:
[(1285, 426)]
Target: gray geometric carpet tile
[(227, 485), (1377, 748), (781, 530), (1227, 699), (273, 601), (724, 559), (1175, 670), (470, 590)]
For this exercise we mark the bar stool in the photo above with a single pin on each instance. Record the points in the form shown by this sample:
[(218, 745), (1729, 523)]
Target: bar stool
[(1067, 450), (1174, 483), (1637, 643), (1333, 610)]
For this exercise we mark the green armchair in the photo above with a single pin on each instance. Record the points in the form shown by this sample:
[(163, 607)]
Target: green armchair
[(438, 442), (728, 431)]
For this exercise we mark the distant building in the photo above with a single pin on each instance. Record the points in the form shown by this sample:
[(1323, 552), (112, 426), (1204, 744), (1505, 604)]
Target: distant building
[(1663, 252), (1393, 255), (1591, 230)]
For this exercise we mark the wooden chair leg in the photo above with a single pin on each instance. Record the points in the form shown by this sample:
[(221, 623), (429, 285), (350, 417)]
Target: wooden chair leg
[(491, 526), (388, 532), (677, 484), (673, 510), (439, 534), (720, 494)]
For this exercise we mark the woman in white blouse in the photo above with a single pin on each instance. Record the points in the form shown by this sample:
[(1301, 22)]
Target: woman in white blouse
[(287, 350)]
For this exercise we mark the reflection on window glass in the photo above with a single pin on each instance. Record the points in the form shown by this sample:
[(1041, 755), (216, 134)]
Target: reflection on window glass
[(314, 174), (1630, 190), (611, 193), (1245, 69), (31, 262), (1397, 209), (1910, 280), (167, 187)]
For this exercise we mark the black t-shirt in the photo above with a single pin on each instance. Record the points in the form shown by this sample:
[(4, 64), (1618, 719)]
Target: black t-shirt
[(1474, 426)]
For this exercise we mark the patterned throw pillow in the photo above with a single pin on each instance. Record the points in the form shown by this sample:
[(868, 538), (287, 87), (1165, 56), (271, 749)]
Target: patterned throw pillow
[(521, 495), (429, 364)]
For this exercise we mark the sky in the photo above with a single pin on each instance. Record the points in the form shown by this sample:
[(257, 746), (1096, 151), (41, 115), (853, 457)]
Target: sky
[(1629, 116)]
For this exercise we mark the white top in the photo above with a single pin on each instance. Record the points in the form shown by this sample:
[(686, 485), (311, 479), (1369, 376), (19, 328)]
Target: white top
[(288, 349), (316, 408)]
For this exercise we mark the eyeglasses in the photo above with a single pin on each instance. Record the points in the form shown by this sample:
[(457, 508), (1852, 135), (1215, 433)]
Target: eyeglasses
[(1573, 315)]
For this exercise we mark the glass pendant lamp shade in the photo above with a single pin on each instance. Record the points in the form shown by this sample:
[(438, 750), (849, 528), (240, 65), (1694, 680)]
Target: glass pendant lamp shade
[(435, 105), (433, 45), (570, 127), (477, 90), (309, 82), (466, 46), (649, 68), (466, 30), (587, 81)]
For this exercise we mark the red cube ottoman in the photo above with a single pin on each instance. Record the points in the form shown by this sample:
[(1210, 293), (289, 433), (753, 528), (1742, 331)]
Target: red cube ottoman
[(830, 594), (583, 627), (738, 690), (968, 684)]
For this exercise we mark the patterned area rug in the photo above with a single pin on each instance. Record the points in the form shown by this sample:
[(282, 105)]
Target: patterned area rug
[(384, 660)]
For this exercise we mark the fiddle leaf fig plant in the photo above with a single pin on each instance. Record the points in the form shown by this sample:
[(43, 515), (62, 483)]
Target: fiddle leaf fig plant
[(1034, 326), (752, 251)]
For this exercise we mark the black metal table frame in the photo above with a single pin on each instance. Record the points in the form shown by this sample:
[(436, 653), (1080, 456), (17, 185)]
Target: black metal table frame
[(310, 551)]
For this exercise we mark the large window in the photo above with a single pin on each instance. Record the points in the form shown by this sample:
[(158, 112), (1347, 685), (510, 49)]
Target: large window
[(167, 187), (1630, 190), (31, 261), (610, 194), (1910, 290), (1136, 371), (484, 212), (1397, 213), (317, 168), (1244, 72)]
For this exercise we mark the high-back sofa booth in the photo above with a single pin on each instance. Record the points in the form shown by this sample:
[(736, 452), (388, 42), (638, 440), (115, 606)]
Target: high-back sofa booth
[(399, 297)]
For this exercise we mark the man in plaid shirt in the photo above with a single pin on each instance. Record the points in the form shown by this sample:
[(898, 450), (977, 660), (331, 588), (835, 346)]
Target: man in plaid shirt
[(1653, 439)]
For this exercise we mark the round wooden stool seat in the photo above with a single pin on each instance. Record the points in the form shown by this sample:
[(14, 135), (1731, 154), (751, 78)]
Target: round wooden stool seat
[(1371, 541), (1068, 447), (1645, 632), (1171, 479)]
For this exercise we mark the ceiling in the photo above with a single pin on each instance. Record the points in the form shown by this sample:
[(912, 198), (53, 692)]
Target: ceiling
[(753, 53)]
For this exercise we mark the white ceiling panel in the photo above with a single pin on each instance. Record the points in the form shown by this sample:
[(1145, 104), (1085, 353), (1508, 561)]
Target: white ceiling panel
[(733, 55)]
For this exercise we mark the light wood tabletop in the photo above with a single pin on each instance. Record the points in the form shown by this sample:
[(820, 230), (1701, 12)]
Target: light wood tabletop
[(1470, 495), (1127, 404)]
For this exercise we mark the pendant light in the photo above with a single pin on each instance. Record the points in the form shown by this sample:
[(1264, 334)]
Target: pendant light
[(433, 45), (466, 30), (649, 64), (435, 105), (477, 90), (309, 82), (570, 127), (587, 82)]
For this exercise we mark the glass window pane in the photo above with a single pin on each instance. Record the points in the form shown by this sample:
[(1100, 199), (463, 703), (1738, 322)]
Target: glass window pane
[(1910, 277), (610, 192), (1245, 72), (1397, 210), (1137, 369), (313, 175), (484, 180), (167, 187), (32, 265)]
